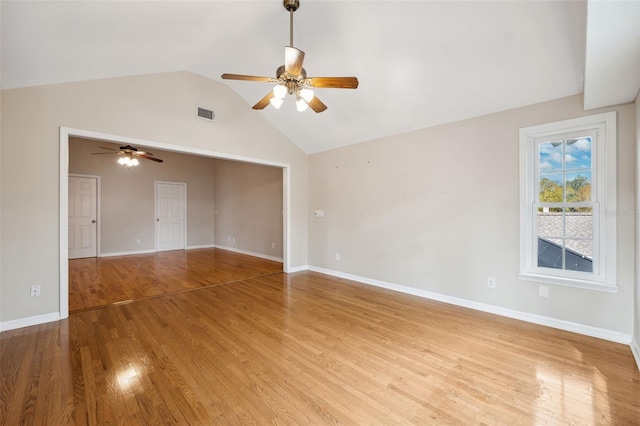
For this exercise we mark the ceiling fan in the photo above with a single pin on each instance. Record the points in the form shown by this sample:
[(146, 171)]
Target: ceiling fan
[(129, 155), (292, 79)]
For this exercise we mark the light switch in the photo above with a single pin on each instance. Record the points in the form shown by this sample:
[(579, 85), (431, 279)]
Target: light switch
[(319, 213)]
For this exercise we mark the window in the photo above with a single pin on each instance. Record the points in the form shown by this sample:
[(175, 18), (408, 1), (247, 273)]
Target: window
[(567, 187)]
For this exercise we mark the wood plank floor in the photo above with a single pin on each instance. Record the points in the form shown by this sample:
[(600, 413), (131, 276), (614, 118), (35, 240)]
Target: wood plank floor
[(104, 281), (309, 349)]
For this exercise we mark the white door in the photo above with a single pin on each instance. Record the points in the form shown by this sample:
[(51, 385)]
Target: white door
[(170, 219), (83, 229)]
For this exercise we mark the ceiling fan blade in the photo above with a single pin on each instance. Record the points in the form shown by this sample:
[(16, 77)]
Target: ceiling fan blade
[(247, 78), (333, 82), (110, 149), (157, 160), (108, 153), (262, 103), (293, 60), (317, 105)]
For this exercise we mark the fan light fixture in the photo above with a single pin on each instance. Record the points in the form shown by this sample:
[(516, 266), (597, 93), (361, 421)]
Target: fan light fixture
[(279, 92), (306, 94), (128, 161), (301, 105), (303, 97)]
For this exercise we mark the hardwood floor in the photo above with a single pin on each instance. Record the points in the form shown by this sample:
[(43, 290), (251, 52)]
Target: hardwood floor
[(104, 281), (306, 348)]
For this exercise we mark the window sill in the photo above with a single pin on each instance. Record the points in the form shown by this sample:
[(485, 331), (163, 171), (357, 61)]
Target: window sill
[(569, 282)]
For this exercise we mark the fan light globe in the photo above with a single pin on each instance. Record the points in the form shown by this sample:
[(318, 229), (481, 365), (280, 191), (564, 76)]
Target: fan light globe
[(276, 102), (306, 94), (279, 91), (128, 161), (301, 105)]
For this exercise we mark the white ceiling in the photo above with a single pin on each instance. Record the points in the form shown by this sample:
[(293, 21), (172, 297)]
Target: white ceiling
[(419, 63)]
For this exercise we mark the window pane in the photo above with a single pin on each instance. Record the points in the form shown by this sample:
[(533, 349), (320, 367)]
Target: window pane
[(578, 153), (579, 224), (578, 255), (579, 239), (551, 185), (550, 156), (550, 253), (549, 223), (578, 186)]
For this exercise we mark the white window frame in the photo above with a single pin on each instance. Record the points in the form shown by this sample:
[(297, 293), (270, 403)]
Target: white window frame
[(603, 196)]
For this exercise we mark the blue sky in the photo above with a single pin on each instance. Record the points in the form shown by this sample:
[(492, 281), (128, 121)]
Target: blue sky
[(577, 155)]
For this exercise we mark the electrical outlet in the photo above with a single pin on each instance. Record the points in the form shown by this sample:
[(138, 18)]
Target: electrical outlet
[(491, 282), (138, 241), (543, 291), (35, 290), (273, 245), (338, 257)]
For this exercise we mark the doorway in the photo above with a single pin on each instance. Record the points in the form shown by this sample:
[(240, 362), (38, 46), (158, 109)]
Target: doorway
[(67, 133)]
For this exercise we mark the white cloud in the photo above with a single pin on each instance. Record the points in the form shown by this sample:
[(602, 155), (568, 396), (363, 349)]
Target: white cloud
[(545, 165), (582, 144), (556, 157)]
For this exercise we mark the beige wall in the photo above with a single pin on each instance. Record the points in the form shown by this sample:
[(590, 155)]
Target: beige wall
[(249, 207), (437, 210), (128, 195), (159, 108)]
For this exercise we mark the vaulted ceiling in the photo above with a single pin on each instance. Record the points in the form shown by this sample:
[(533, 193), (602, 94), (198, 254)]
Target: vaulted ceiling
[(419, 63)]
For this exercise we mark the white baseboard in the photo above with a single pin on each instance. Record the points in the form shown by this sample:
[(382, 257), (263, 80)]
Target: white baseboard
[(200, 247), (600, 333), (250, 253), (29, 321), (635, 350), (126, 253), (293, 269)]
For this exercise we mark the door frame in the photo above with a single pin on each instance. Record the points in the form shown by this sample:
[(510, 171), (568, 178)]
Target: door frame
[(98, 198), (184, 210), (67, 132)]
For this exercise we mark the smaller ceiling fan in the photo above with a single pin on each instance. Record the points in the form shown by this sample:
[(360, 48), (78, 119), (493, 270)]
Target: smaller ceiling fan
[(292, 79), (129, 155)]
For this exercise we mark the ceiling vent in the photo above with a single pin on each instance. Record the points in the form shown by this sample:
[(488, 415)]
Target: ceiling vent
[(205, 114)]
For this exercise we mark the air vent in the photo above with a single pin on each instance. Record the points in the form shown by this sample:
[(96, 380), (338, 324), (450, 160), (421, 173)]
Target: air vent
[(205, 114)]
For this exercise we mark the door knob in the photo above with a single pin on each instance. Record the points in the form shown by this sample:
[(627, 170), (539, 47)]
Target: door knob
[(93, 221)]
